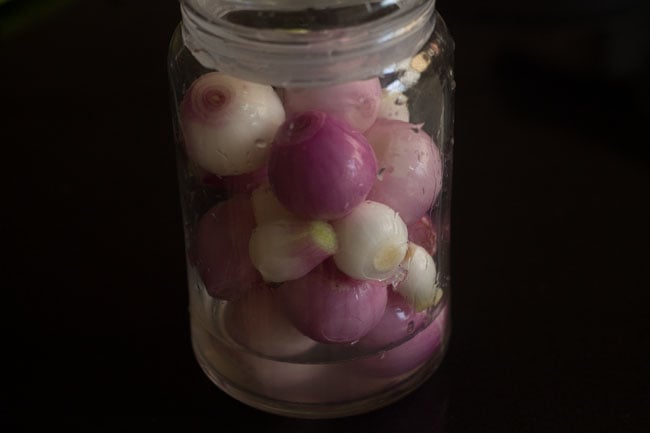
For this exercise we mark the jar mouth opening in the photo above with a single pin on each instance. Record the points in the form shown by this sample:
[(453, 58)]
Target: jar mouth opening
[(302, 45)]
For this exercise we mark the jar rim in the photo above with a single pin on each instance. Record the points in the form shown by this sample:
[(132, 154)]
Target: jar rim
[(289, 56)]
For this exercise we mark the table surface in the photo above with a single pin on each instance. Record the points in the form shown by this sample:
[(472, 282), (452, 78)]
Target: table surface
[(550, 231)]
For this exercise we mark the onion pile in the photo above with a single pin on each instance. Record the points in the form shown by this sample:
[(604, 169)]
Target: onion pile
[(326, 235)]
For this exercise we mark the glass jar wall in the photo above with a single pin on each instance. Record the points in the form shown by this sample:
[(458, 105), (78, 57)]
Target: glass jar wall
[(314, 144)]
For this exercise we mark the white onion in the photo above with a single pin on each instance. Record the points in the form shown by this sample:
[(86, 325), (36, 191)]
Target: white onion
[(266, 206), (393, 105), (356, 102), (228, 124), (284, 250), (419, 287), (373, 241)]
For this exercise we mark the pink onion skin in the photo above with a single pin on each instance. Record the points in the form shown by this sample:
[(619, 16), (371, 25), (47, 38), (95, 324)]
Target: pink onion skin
[(221, 249), (410, 354), (320, 168), (424, 233), (409, 168), (399, 320), (357, 102), (330, 307)]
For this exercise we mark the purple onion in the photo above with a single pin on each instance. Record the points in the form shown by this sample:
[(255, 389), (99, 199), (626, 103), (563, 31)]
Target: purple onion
[(409, 168), (328, 306), (409, 355), (319, 167), (356, 102), (221, 249), (423, 232)]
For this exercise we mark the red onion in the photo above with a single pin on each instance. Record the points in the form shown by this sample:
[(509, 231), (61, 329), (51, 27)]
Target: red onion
[(228, 124), (356, 102), (221, 248), (423, 232), (410, 170), (409, 355), (328, 306), (257, 322), (284, 250), (373, 241), (319, 167)]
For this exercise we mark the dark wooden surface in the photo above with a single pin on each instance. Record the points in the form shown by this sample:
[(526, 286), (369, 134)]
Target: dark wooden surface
[(550, 230)]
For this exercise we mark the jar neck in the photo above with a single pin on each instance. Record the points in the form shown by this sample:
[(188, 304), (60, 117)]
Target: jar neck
[(302, 43)]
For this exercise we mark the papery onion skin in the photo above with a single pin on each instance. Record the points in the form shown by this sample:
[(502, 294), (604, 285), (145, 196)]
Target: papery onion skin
[(228, 124), (221, 249), (410, 354), (257, 322), (424, 232), (283, 250), (320, 168), (330, 307), (373, 241), (393, 105), (409, 168), (357, 102)]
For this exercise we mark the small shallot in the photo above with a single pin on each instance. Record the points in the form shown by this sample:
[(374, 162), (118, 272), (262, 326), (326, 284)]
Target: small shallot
[(328, 306), (284, 250), (419, 287), (409, 168), (319, 167), (228, 124), (373, 241)]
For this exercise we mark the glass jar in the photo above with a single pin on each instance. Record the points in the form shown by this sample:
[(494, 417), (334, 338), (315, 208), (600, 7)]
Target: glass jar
[(314, 147)]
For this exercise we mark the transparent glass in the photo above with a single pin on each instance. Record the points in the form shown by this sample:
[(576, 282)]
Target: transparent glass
[(314, 149)]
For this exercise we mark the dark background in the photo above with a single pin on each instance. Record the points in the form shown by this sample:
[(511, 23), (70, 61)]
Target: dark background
[(550, 227)]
